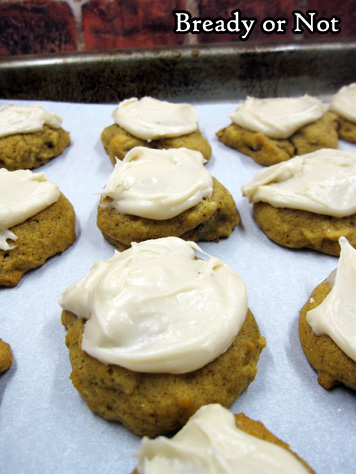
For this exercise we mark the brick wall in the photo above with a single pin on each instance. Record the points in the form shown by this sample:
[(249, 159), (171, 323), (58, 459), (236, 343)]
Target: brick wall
[(52, 26)]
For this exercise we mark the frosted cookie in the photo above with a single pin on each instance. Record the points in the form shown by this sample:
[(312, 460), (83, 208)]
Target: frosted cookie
[(36, 222), (343, 104), (308, 201), (155, 124), (216, 441), (156, 332), (327, 324), (30, 136), (6, 357), (161, 193), (276, 129)]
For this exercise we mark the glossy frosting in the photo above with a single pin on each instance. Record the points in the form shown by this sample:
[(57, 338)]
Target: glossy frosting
[(26, 119), (158, 184), (278, 117), (150, 119), (22, 195), (156, 308), (323, 182), (211, 443), (336, 315), (344, 102)]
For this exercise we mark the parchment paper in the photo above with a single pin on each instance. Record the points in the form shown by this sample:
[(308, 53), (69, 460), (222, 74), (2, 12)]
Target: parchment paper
[(46, 427)]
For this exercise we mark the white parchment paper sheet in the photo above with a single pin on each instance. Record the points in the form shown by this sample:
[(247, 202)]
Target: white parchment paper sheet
[(46, 427)]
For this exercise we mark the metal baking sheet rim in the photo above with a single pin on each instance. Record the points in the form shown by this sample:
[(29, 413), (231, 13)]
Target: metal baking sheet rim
[(204, 73)]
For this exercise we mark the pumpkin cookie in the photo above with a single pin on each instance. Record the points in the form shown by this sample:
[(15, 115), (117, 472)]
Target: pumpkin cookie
[(152, 369), (308, 201), (274, 130), (161, 193), (30, 137), (155, 124), (343, 104), (327, 327), (36, 222), (213, 437), (6, 357)]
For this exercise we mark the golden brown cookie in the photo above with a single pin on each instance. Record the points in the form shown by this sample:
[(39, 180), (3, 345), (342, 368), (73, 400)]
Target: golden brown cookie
[(47, 233), (211, 219), (117, 142), (269, 151), (152, 404), (294, 228), (258, 429), (6, 357), (332, 365), (347, 130), (31, 150)]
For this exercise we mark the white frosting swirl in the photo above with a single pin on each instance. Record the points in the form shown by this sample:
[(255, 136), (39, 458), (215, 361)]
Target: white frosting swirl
[(323, 182), (344, 102), (158, 184), (336, 314), (211, 443), (150, 119), (26, 119), (156, 308), (278, 117), (22, 195)]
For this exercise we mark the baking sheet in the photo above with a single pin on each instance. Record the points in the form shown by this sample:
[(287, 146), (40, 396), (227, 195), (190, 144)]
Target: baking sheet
[(45, 426), (226, 71)]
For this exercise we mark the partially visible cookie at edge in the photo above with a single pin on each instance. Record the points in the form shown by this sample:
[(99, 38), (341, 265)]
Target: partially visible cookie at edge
[(343, 104), (30, 136), (36, 222), (214, 436), (327, 327), (6, 357)]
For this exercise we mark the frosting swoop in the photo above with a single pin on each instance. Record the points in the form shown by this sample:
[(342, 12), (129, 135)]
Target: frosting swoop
[(278, 117), (211, 443), (25, 119), (323, 182), (22, 195), (156, 308), (150, 119), (344, 102), (158, 184), (336, 315)]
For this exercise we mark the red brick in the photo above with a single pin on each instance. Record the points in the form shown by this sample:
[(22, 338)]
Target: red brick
[(252, 9), (139, 23), (36, 27)]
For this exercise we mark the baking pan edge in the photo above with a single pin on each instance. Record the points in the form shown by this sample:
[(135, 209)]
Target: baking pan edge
[(204, 73)]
